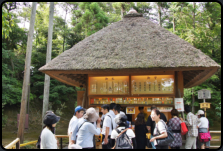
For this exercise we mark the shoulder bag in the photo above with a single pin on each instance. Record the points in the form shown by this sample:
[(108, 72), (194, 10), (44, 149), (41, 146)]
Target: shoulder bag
[(205, 137), (165, 141)]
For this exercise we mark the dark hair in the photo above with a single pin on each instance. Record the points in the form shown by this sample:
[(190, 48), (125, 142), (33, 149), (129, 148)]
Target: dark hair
[(111, 106), (156, 111), (141, 108), (105, 106), (140, 119), (202, 115), (153, 107), (117, 107), (174, 112), (52, 129), (187, 108)]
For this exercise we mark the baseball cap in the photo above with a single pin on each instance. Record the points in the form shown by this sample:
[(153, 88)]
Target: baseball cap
[(199, 112), (78, 108), (50, 118)]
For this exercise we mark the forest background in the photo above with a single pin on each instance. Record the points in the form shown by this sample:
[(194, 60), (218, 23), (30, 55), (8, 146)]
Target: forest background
[(199, 23)]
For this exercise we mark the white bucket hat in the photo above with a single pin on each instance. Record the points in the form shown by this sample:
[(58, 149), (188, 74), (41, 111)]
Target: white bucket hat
[(91, 115)]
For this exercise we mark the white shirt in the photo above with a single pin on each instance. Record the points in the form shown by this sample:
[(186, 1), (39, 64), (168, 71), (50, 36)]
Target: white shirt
[(72, 124), (204, 123), (129, 133), (48, 140), (86, 133), (79, 123), (108, 123), (112, 113), (161, 127)]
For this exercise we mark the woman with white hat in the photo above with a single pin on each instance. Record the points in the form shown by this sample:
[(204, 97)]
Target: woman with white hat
[(48, 139), (203, 127), (87, 130)]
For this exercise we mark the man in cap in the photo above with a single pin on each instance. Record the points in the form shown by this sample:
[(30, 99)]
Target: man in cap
[(78, 113)]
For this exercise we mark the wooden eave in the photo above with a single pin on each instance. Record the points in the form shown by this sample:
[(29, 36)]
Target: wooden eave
[(191, 76)]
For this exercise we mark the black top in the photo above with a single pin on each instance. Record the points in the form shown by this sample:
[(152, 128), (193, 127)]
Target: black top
[(152, 123), (140, 132)]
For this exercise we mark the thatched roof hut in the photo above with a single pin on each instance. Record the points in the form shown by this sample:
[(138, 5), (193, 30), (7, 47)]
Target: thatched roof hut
[(128, 46)]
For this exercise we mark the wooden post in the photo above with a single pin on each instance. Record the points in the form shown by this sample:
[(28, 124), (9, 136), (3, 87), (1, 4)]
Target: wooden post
[(26, 74), (61, 143), (48, 58)]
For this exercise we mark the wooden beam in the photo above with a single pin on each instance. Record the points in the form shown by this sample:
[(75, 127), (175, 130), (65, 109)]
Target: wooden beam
[(200, 78)]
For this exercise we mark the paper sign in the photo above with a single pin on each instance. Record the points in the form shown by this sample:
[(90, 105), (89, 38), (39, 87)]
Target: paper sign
[(179, 104)]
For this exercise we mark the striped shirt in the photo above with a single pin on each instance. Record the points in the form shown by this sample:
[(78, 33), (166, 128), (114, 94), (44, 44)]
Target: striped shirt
[(192, 123)]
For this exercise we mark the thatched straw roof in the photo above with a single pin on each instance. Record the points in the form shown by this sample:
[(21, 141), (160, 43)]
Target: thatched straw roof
[(133, 43)]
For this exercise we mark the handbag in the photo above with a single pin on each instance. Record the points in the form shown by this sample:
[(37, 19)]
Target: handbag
[(205, 137), (148, 143), (165, 141), (184, 129)]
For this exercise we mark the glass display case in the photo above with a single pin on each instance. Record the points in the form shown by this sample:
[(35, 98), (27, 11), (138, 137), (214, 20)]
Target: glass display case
[(152, 84), (132, 100), (109, 85)]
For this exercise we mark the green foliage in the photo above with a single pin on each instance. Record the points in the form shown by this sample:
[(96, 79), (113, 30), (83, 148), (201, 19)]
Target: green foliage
[(92, 20), (203, 31)]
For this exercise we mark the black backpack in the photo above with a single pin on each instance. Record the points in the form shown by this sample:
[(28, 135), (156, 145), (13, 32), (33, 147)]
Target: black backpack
[(122, 140)]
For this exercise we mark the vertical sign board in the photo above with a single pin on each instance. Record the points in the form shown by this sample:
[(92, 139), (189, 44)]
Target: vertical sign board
[(179, 104)]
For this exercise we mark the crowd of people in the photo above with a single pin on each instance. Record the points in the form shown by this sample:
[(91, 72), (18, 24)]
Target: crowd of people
[(116, 134)]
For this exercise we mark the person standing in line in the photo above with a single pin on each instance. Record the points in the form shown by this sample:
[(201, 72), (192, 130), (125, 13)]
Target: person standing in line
[(116, 110), (160, 130), (175, 124), (111, 106), (203, 127), (87, 129), (140, 131), (141, 110), (151, 124), (121, 121), (192, 123), (78, 113), (108, 125), (48, 139)]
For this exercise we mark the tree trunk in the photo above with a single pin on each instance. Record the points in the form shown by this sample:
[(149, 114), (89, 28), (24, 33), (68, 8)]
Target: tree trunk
[(48, 58), (64, 29), (26, 78), (194, 15), (122, 11), (159, 13), (173, 24)]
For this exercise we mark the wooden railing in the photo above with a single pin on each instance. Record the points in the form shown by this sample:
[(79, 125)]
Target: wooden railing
[(215, 140), (61, 139), (16, 143)]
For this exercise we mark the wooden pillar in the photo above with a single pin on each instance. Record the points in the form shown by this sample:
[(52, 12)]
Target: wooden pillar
[(80, 96)]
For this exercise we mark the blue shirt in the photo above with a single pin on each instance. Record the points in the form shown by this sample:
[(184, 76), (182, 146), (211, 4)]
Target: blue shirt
[(85, 133)]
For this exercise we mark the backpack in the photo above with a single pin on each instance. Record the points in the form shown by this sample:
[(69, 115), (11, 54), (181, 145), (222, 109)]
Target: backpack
[(122, 140)]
